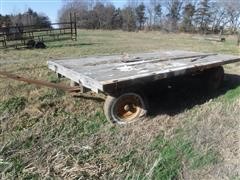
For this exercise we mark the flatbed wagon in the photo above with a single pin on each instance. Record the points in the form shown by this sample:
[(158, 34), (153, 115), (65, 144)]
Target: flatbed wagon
[(121, 76)]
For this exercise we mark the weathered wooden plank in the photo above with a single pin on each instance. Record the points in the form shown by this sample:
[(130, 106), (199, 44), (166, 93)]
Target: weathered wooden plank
[(76, 77), (103, 73)]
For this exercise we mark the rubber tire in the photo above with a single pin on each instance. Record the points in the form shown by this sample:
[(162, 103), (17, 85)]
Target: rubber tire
[(40, 45), (111, 100), (31, 44), (215, 77)]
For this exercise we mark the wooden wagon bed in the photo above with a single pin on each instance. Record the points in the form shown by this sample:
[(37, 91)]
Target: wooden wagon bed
[(107, 73)]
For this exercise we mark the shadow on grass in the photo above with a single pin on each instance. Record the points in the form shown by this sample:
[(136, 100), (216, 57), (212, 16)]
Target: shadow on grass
[(184, 93), (89, 97), (62, 45), (72, 45)]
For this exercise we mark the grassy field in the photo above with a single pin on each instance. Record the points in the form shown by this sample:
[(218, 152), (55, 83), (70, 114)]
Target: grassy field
[(46, 133)]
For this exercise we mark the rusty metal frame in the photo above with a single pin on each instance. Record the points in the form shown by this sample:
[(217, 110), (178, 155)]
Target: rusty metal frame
[(30, 32), (4, 74)]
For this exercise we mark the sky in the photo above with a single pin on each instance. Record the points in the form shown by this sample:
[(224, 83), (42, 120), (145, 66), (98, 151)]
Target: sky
[(48, 7)]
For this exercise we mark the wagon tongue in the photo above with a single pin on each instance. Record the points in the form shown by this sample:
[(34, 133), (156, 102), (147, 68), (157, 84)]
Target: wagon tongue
[(4, 74)]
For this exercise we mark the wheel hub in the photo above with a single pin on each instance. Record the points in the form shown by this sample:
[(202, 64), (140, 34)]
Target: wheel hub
[(128, 108)]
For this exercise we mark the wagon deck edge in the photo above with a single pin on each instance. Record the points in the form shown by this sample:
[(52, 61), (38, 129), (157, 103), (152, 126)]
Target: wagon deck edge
[(111, 85)]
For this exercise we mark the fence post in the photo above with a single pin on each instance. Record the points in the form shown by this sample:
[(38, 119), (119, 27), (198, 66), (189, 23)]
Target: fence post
[(71, 23), (75, 26), (238, 38)]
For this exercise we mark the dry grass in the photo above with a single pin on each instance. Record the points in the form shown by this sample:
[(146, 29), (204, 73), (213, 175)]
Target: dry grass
[(215, 126), (49, 134)]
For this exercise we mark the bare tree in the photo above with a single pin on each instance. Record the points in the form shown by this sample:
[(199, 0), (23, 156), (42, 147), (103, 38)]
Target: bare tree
[(80, 8), (154, 13), (31, 17), (104, 15), (188, 13), (140, 14), (203, 15), (219, 18), (157, 14), (150, 14), (129, 19), (117, 19), (173, 16), (233, 13)]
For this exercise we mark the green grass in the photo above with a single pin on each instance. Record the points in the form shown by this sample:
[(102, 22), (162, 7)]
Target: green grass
[(174, 152), (47, 133), (232, 95), (13, 105), (169, 158)]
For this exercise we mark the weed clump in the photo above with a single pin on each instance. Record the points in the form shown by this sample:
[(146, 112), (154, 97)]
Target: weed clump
[(171, 157), (13, 105)]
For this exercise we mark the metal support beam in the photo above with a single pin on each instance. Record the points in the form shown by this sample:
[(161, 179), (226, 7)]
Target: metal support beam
[(4, 74)]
